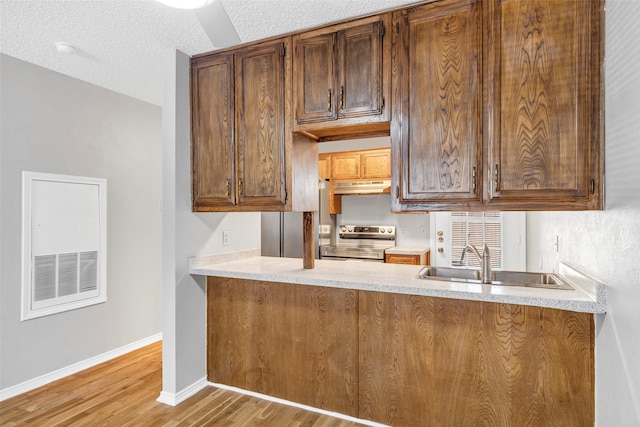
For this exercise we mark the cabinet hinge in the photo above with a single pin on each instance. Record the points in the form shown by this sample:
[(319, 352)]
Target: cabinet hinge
[(286, 196), (383, 103), (383, 31), (496, 177), (397, 28), (593, 186), (398, 192)]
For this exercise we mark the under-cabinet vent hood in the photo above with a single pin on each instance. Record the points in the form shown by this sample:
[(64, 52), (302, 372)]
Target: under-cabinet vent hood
[(362, 187)]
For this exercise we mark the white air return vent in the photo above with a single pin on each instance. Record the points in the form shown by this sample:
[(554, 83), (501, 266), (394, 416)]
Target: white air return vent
[(64, 243)]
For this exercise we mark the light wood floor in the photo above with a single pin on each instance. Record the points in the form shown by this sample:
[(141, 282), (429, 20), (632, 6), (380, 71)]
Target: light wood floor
[(123, 392)]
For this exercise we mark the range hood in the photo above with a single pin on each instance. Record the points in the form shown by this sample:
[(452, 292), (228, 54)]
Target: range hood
[(362, 187)]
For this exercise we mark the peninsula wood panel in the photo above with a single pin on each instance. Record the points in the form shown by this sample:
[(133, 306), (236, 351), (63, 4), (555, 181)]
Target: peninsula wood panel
[(434, 361), (544, 70), (290, 341)]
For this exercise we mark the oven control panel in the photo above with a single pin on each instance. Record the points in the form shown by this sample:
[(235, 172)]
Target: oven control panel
[(376, 232)]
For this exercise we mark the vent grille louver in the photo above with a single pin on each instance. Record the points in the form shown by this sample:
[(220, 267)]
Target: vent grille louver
[(58, 275)]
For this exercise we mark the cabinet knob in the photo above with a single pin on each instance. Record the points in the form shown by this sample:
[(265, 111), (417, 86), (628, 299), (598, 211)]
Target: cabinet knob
[(440, 249), (329, 100)]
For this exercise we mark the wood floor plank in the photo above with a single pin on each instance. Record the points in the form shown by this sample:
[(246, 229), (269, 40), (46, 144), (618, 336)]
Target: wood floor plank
[(122, 392)]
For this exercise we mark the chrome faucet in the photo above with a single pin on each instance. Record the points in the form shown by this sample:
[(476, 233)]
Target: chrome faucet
[(485, 262)]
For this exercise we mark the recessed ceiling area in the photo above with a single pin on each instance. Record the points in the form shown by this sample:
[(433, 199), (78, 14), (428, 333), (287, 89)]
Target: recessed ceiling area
[(121, 44)]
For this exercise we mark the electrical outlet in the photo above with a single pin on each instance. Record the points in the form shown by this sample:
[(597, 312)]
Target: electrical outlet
[(225, 238), (403, 231)]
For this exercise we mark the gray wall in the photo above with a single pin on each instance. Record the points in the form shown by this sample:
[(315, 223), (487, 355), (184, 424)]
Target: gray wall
[(607, 243), (187, 234), (55, 124)]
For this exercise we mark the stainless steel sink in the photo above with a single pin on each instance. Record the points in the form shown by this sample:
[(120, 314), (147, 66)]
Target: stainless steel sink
[(454, 274), (534, 280), (498, 278)]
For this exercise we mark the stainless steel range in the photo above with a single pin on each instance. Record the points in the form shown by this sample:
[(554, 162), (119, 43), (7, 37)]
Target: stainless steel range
[(361, 242)]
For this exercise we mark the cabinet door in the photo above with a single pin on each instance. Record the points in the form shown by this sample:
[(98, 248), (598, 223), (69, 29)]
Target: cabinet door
[(314, 78), (260, 143), (360, 70), (212, 156), (345, 166), (543, 85), (402, 259), (436, 114), (376, 164), (324, 166)]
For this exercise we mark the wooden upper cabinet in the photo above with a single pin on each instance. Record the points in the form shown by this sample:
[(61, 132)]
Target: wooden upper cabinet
[(360, 71), (244, 156), (543, 121), (324, 166), (376, 163), (356, 165), (261, 136), (437, 90), (341, 79), (345, 165), (213, 148), (314, 78)]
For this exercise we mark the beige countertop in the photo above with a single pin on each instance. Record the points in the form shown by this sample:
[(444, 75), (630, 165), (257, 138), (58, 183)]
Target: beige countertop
[(588, 295)]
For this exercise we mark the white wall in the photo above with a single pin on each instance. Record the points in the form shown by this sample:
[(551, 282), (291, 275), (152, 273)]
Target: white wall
[(55, 124), (187, 234), (607, 243), (411, 230)]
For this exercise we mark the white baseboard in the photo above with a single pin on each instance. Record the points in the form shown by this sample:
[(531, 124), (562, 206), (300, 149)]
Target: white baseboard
[(175, 399), (298, 405), (75, 368)]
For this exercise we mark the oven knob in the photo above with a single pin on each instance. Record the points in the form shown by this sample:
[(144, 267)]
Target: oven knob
[(382, 230), (343, 228), (350, 229), (389, 230)]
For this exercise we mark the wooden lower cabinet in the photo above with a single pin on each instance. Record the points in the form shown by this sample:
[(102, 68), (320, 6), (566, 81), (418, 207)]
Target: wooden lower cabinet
[(403, 360), (418, 259), (443, 362), (289, 341)]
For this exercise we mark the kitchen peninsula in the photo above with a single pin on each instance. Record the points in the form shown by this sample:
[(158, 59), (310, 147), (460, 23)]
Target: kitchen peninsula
[(375, 342)]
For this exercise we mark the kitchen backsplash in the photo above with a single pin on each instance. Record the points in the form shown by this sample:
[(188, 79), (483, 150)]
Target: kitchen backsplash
[(411, 230)]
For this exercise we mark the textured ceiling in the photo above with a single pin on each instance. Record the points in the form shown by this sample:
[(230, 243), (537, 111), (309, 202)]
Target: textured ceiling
[(121, 43)]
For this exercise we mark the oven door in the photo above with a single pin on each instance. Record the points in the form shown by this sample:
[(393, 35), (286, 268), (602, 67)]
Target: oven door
[(347, 259), (350, 253)]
